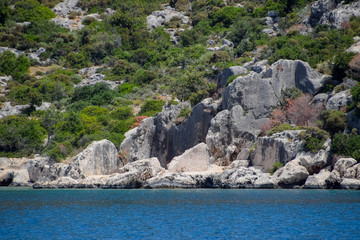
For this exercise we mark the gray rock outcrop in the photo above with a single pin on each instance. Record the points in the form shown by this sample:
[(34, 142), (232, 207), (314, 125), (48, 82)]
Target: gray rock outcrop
[(339, 100), (99, 158), (230, 132), (8, 110), (333, 13), (159, 137), (259, 93), (281, 147), (97, 78)]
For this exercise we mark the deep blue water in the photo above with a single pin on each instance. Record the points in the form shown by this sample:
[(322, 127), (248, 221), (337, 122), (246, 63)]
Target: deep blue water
[(179, 214)]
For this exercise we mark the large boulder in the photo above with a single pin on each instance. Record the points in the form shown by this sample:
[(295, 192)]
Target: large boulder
[(292, 174), (237, 176), (99, 158), (339, 100), (192, 160), (280, 147), (231, 132), (160, 137), (318, 181), (343, 164), (135, 174)]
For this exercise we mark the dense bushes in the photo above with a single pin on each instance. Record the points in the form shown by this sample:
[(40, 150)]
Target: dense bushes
[(14, 66), (151, 107), (314, 139), (32, 11), (346, 145), (20, 136)]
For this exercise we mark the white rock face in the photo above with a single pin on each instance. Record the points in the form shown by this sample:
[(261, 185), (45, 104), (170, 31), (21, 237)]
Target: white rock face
[(343, 164), (99, 158), (192, 160), (318, 181), (291, 174)]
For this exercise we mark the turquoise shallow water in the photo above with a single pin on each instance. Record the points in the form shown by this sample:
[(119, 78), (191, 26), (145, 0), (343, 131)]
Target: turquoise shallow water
[(179, 214)]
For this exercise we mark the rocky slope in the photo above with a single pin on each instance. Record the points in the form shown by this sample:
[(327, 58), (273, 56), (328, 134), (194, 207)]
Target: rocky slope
[(211, 148)]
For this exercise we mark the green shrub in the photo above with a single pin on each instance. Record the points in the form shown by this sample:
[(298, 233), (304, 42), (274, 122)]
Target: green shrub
[(77, 60), (32, 11), (21, 135), (122, 113), (347, 145), (313, 139), (227, 16), (185, 112), (276, 166), (14, 66), (99, 94), (151, 108), (333, 121), (341, 64), (280, 128)]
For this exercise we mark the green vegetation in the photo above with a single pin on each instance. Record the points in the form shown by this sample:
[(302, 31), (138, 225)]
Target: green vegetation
[(282, 127), (151, 107), (276, 166), (347, 145), (314, 139)]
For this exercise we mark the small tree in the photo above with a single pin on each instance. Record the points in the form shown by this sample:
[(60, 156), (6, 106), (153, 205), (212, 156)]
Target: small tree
[(301, 112)]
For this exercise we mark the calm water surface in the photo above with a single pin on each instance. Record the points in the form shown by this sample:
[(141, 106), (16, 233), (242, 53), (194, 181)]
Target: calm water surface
[(179, 214)]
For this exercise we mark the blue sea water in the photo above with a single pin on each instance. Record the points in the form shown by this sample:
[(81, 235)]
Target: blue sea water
[(179, 214)]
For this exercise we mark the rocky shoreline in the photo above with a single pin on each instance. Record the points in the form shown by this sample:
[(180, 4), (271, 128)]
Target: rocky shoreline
[(104, 172)]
